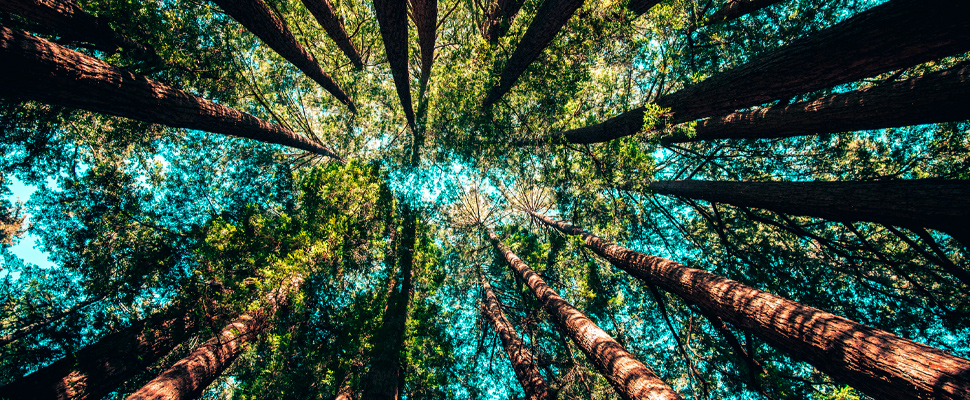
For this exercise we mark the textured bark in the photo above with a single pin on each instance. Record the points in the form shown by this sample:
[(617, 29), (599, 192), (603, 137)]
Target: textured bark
[(520, 357), (392, 16), (550, 18), (257, 18), (190, 375), (735, 9), (932, 98), (42, 71), (628, 376), (323, 11), (425, 15), (930, 203), (498, 18), (894, 35), (640, 7), (876, 362), (97, 370), (34, 327), (68, 19)]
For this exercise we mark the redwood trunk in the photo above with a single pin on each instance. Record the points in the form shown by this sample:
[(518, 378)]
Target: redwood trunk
[(42, 71), (530, 378), (551, 16), (425, 14), (323, 11), (68, 19), (628, 376), (735, 9), (498, 18), (932, 98), (894, 35), (392, 16), (257, 18), (876, 362), (640, 7)]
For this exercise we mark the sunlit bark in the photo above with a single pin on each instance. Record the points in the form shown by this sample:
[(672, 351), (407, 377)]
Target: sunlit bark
[(392, 16), (323, 11)]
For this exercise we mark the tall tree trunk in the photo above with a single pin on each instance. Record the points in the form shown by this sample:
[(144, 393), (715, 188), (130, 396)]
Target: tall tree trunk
[(42, 71), (630, 378), (425, 15), (323, 11), (97, 370), (735, 9), (931, 98), (551, 16), (876, 362), (530, 378), (257, 18), (640, 7), (192, 374), (917, 203), (894, 35), (34, 327), (68, 19), (498, 18), (392, 16)]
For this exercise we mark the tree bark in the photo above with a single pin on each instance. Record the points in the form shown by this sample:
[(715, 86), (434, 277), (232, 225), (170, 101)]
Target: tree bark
[(257, 18), (894, 35), (917, 203), (640, 7), (97, 370), (498, 18), (520, 357), (876, 362), (628, 376), (323, 11), (735, 9), (393, 20), (68, 19), (42, 71), (425, 15), (550, 18)]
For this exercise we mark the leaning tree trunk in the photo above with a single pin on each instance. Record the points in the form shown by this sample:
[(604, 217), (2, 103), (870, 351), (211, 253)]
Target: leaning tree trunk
[(894, 35), (550, 18), (640, 7), (192, 374), (534, 386), (257, 18), (735, 9), (628, 376), (931, 98), (425, 15), (876, 362), (42, 71), (392, 16), (97, 370), (68, 19), (323, 11), (498, 18)]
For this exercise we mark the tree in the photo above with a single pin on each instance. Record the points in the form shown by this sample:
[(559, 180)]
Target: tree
[(68, 19), (323, 11), (640, 7), (498, 17), (392, 17), (425, 16), (735, 9)]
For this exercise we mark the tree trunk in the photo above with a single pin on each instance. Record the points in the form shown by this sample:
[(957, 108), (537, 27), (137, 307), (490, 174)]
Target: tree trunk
[(931, 98), (192, 374), (498, 18), (393, 19), (34, 327), (640, 7), (735, 9), (42, 71), (71, 22), (425, 15), (323, 11), (894, 35), (628, 376), (917, 203), (97, 370), (550, 18), (257, 18), (530, 378)]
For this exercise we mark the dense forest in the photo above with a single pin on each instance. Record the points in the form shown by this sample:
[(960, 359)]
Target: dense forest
[(485, 199)]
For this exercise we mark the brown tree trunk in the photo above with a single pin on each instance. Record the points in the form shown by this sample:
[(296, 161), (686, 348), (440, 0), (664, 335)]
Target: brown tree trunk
[(425, 15), (34, 327), (498, 18), (530, 378), (42, 71), (931, 98), (97, 370), (917, 203), (551, 16), (876, 362), (323, 11), (894, 35), (628, 376), (640, 7), (735, 9), (392, 16), (68, 19), (257, 18), (192, 374)]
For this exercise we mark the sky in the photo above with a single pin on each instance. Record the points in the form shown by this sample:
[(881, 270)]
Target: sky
[(27, 247)]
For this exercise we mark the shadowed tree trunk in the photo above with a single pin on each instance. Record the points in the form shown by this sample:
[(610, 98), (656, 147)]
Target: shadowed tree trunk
[(257, 18), (735, 9), (498, 18), (628, 376), (34, 327), (425, 15), (71, 22), (640, 7), (42, 71), (97, 370), (894, 35), (520, 357), (323, 11), (551, 16), (876, 362), (931, 98), (392, 16)]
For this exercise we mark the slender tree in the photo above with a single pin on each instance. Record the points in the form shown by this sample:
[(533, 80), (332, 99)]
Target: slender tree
[(393, 19), (640, 7), (498, 17), (256, 17), (876, 362), (34, 327), (425, 16), (630, 378), (68, 19), (735, 9), (323, 11), (42, 71)]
